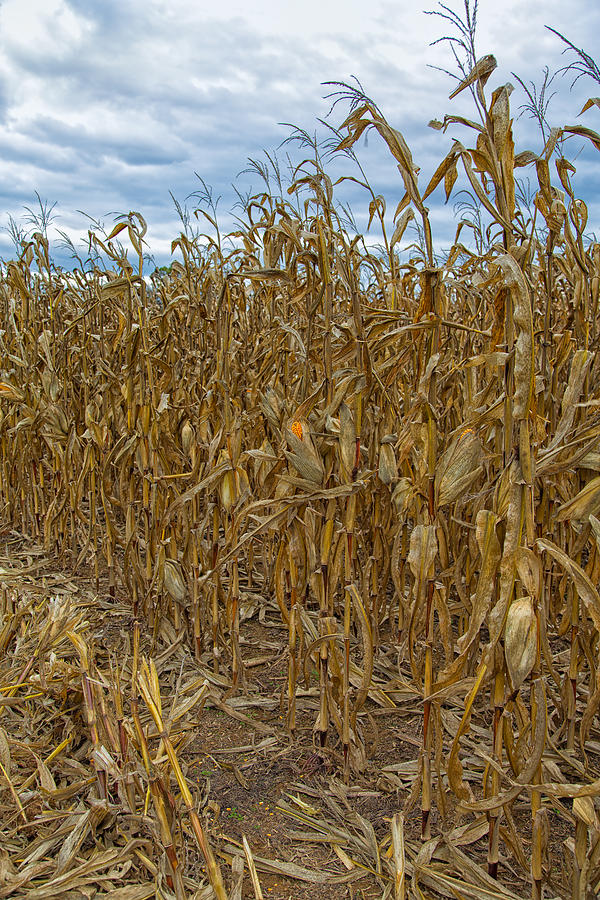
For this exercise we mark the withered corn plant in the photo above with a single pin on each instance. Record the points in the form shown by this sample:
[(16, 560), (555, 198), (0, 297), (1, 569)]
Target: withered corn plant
[(402, 454)]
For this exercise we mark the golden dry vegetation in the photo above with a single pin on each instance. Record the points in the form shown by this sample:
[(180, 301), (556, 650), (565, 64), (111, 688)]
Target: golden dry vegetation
[(389, 468)]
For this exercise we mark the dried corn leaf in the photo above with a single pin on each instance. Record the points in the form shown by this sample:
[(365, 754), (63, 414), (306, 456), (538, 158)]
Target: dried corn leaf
[(583, 585)]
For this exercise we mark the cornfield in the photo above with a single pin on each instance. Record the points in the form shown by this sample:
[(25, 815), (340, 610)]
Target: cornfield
[(394, 465)]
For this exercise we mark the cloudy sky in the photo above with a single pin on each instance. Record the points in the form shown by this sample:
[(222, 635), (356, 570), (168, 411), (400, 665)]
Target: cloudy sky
[(109, 106)]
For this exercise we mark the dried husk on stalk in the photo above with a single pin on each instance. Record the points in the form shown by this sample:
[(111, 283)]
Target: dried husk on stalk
[(458, 467), (520, 640)]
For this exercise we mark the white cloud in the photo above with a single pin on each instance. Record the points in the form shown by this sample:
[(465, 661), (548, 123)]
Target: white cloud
[(108, 106)]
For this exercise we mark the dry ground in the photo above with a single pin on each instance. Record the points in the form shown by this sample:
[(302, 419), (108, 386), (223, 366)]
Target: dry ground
[(246, 775)]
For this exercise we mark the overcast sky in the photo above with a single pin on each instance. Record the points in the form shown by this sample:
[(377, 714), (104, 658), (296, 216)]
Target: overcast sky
[(107, 106)]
